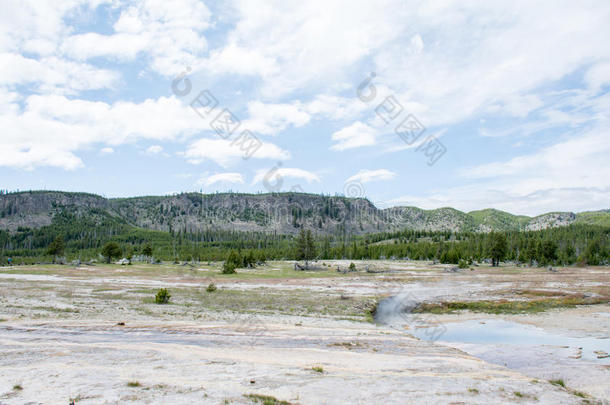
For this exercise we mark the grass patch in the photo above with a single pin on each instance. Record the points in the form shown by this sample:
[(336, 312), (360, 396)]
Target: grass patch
[(473, 390), (318, 369), (55, 309), (509, 307), (543, 293), (270, 301), (346, 345), (17, 387), (265, 400), (134, 384), (559, 383), (518, 394)]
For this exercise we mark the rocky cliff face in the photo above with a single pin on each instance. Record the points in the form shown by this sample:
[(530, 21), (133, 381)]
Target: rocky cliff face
[(284, 213), (36, 209), (551, 220)]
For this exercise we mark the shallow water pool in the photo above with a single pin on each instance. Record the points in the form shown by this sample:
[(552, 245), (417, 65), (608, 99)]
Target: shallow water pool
[(500, 332)]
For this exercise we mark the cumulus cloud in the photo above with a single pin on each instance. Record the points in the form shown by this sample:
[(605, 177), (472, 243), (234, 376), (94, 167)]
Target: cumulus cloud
[(276, 173), (366, 176), (51, 129), (169, 33), (54, 74), (234, 178), (356, 135), (154, 149), (269, 119), (223, 152)]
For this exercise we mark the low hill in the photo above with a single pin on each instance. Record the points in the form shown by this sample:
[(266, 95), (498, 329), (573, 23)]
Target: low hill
[(281, 213)]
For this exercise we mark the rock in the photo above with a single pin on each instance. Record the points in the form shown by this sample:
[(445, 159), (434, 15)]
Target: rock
[(252, 382), (120, 324), (601, 354)]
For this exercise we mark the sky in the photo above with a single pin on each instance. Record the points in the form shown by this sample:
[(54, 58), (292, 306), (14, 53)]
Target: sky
[(467, 104)]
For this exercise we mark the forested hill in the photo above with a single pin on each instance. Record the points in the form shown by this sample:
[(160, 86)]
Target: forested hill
[(281, 213)]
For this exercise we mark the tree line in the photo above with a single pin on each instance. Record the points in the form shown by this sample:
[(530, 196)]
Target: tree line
[(85, 238)]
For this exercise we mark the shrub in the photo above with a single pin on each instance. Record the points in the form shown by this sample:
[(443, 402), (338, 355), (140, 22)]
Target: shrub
[(352, 267), (232, 262), (162, 296), (463, 264), (228, 268), (318, 369), (211, 287)]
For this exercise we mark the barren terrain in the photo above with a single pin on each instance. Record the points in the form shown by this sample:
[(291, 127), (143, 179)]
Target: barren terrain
[(93, 334)]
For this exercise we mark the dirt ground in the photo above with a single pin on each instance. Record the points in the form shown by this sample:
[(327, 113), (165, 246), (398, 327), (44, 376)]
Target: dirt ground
[(93, 335)]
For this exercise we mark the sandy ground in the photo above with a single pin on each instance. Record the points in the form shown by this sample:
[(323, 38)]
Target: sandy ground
[(265, 330)]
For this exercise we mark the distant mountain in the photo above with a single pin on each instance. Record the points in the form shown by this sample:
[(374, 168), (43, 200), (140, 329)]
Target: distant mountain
[(283, 213)]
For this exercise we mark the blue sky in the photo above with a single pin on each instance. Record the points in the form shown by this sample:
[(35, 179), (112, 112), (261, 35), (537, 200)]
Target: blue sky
[(507, 102)]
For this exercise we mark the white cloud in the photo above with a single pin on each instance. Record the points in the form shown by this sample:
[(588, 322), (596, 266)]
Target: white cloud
[(446, 62), (52, 74), (285, 172), (170, 33), (107, 151), (571, 175), (356, 135), (36, 26), (235, 178), (336, 107), (578, 161), (294, 46), (154, 150), (598, 75), (366, 176), (269, 119), (121, 46), (49, 130), (224, 153)]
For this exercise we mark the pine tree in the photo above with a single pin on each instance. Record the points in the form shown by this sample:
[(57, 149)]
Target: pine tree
[(57, 247), (110, 250), (497, 248), (305, 247)]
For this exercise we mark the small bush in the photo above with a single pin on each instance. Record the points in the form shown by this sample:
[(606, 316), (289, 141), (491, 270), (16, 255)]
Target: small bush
[(211, 287), (162, 296), (352, 267), (318, 369), (463, 264), (228, 268), (17, 387), (134, 384)]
